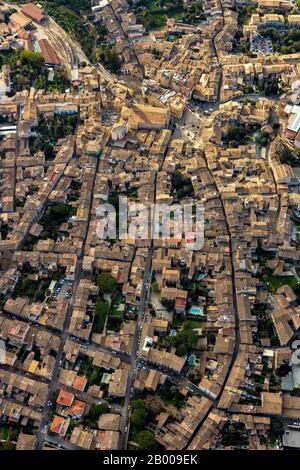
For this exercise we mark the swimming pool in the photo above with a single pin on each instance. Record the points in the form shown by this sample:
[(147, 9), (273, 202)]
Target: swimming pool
[(196, 311)]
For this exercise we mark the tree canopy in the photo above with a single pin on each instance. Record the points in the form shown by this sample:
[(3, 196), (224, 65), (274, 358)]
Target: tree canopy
[(139, 417), (146, 440), (106, 283), (101, 312), (95, 411)]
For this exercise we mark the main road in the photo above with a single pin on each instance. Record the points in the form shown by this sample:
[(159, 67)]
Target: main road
[(133, 366), (47, 412)]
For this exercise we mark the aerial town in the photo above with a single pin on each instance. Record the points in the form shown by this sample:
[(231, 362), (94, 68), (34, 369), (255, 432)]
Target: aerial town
[(133, 343)]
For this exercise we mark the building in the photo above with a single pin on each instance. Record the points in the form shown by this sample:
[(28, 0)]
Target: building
[(293, 21), (118, 383), (143, 117), (119, 130), (76, 410), (48, 53), (34, 12), (274, 5), (20, 20), (65, 398), (26, 442), (59, 425), (270, 20), (109, 422), (291, 437)]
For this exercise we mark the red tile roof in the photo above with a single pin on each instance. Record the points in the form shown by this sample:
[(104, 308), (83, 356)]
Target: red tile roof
[(79, 383), (180, 302), (77, 409), (65, 398), (48, 52), (57, 424), (33, 11)]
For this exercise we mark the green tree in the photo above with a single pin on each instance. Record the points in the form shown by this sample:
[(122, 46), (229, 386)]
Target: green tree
[(94, 413), (182, 185), (49, 151), (138, 404), (185, 340), (106, 283), (139, 418), (110, 58), (154, 288), (276, 428), (59, 209), (146, 440), (235, 435), (7, 446), (33, 59), (101, 312), (169, 304)]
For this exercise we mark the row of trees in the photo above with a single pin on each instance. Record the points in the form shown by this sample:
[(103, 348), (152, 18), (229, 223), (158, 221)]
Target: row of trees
[(139, 417), (107, 285)]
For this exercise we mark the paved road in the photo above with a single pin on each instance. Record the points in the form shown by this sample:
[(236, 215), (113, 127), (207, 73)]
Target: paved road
[(88, 398), (65, 445), (46, 414), (105, 73), (178, 379), (128, 45), (235, 308), (132, 373), (124, 356), (29, 375)]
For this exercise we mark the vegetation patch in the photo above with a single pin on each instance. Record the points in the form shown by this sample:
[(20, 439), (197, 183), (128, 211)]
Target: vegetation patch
[(34, 290), (28, 69), (153, 14), (275, 282), (234, 434), (240, 134), (284, 42), (76, 18), (289, 157), (182, 186), (55, 215), (185, 340), (100, 315), (50, 131), (139, 418)]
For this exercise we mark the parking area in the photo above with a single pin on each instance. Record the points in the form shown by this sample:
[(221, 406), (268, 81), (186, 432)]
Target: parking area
[(261, 44), (63, 289)]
